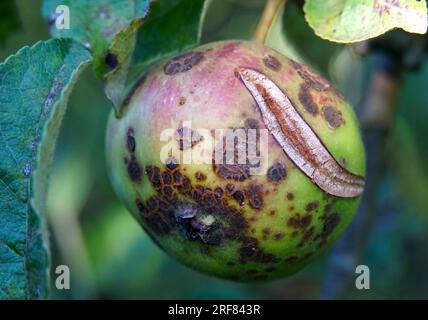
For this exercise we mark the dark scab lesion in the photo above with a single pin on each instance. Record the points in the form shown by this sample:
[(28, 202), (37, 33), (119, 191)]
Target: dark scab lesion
[(254, 195), (187, 138), (182, 63), (277, 172), (278, 235), (230, 166), (251, 123), (333, 116), (307, 235), (307, 101), (133, 167), (272, 63), (134, 170), (298, 222), (130, 140), (330, 223), (312, 80), (200, 176), (250, 251), (198, 213), (154, 175), (239, 197), (311, 206)]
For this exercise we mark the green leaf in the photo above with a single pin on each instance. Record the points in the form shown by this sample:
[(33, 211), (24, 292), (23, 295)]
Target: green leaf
[(356, 20), (170, 27), (96, 23), (34, 87)]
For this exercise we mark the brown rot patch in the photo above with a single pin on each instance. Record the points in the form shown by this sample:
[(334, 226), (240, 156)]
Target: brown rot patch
[(187, 138), (311, 206), (307, 101), (276, 172), (182, 63), (272, 63), (332, 116), (254, 195)]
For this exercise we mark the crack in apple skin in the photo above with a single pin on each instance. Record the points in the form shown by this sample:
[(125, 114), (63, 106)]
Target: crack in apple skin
[(297, 139)]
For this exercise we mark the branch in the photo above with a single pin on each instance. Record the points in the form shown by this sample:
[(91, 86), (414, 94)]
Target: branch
[(268, 15)]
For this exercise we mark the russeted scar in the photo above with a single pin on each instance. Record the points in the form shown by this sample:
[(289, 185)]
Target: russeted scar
[(299, 142)]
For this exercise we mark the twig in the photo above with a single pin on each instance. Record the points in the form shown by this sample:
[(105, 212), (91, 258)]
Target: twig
[(268, 15)]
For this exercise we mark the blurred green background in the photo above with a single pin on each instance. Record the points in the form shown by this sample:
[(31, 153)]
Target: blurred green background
[(110, 256)]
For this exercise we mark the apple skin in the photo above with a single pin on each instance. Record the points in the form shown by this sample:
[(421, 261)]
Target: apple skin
[(219, 219)]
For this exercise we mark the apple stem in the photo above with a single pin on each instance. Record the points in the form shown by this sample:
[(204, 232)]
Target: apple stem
[(266, 20)]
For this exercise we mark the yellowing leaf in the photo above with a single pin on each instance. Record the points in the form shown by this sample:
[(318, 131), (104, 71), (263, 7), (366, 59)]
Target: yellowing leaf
[(356, 20)]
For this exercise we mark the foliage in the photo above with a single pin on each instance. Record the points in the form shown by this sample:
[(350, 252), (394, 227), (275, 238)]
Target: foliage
[(356, 20), (38, 80)]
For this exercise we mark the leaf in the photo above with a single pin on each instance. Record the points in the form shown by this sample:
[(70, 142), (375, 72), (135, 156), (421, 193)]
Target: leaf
[(170, 27), (356, 20), (96, 23), (34, 87)]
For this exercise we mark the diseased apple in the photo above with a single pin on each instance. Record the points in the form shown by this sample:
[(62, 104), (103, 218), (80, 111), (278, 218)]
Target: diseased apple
[(247, 216)]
